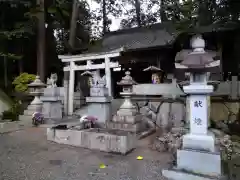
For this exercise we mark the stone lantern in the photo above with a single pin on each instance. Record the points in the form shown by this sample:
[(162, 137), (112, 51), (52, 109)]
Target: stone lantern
[(36, 90), (127, 117), (127, 83), (198, 158)]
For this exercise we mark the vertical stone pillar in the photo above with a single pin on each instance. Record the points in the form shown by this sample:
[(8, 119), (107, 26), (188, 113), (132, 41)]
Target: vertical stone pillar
[(108, 76), (71, 88), (66, 85)]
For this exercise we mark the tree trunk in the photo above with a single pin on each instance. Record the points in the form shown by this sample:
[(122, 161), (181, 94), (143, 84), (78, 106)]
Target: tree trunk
[(41, 42), (5, 72), (163, 16), (104, 10), (138, 12), (20, 66), (73, 25)]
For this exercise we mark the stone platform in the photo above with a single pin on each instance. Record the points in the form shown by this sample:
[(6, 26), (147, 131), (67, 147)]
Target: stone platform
[(114, 141)]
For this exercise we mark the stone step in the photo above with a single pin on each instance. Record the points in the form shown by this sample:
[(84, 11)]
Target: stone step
[(177, 174)]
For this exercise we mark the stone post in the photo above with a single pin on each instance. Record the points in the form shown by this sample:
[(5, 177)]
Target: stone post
[(65, 85), (108, 76), (71, 88)]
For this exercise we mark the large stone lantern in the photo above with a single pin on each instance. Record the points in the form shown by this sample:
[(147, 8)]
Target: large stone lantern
[(36, 89), (198, 158)]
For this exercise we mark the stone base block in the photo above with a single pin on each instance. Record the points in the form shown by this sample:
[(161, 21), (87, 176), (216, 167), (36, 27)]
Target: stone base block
[(35, 107), (28, 112), (136, 128), (175, 174), (127, 112), (98, 91), (25, 118), (199, 162), (98, 139), (52, 109), (127, 119), (200, 142)]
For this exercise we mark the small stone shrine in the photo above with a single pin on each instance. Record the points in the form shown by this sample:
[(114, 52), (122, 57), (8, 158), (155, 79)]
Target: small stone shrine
[(99, 103), (36, 90), (127, 117), (199, 158), (52, 103)]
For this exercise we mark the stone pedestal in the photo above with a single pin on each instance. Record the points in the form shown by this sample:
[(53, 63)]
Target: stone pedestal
[(52, 103), (98, 105)]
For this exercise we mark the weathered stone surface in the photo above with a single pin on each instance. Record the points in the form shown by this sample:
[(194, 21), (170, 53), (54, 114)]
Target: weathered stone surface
[(52, 109), (100, 139), (127, 119), (136, 128), (142, 103), (223, 111), (98, 91), (154, 106), (170, 114), (144, 111)]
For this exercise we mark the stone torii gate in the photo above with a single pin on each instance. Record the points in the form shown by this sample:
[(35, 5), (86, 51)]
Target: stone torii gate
[(71, 66)]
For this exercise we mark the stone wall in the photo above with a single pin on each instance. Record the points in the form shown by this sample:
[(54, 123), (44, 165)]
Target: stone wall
[(224, 111), (164, 114)]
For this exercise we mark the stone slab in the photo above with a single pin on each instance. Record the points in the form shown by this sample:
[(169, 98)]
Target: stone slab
[(49, 98), (104, 140), (199, 162), (98, 99), (128, 119), (136, 128), (157, 89), (200, 142), (6, 127), (55, 91), (98, 91), (175, 174)]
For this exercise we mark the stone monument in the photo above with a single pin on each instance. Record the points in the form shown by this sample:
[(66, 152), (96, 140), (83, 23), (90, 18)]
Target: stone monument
[(36, 90), (52, 103), (199, 158), (127, 117)]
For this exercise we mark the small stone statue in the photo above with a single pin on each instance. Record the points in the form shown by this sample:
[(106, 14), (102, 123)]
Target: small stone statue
[(51, 82), (97, 80)]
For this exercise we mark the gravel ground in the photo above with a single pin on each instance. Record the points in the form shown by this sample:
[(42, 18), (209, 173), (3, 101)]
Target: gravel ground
[(27, 155)]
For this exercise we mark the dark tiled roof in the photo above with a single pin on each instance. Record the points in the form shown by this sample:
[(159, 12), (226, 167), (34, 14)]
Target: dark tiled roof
[(137, 38)]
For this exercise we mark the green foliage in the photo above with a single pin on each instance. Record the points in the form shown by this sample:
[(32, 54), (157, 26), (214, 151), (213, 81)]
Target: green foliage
[(13, 112), (21, 82)]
